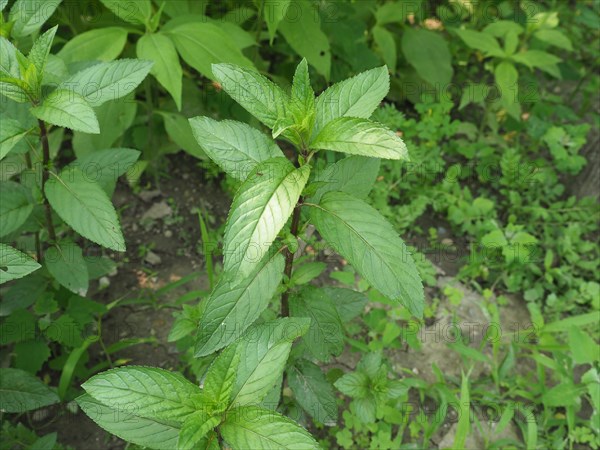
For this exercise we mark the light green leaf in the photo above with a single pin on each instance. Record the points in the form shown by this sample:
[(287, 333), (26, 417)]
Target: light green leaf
[(360, 234), (84, 206), (306, 272), (273, 13), (156, 393), (302, 30), (264, 350), (14, 264), (29, 15), (481, 41), (234, 305), (303, 96), (354, 175), (180, 132), (126, 424), (251, 427), (360, 137), (354, 384), (101, 44), (386, 45), (325, 336), (313, 392), (357, 97), (108, 80), (20, 391), (194, 430), (104, 167), (133, 11), (428, 53), (260, 209), (65, 263), (236, 147), (202, 44), (38, 54), (538, 59), (67, 109), (464, 421), (15, 207), (501, 28), (220, 378), (256, 94), (584, 349), (167, 69), (554, 37), (11, 132), (565, 394), (507, 79)]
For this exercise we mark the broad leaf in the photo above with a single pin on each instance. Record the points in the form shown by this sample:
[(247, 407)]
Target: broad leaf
[(313, 392), (360, 234), (67, 109), (29, 15), (259, 96), (84, 206), (180, 132), (202, 44), (428, 53), (354, 384), (14, 264), (481, 41), (260, 209), (65, 263), (220, 378), (296, 29), (235, 304), (236, 147), (347, 302), (102, 44), (273, 14), (354, 175), (133, 11), (507, 77), (126, 424), (251, 427), (155, 393), (194, 430), (158, 48), (108, 80), (360, 137), (20, 391), (264, 350), (386, 44), (38, 54), (15, 207), (325, 336), (11, 132)]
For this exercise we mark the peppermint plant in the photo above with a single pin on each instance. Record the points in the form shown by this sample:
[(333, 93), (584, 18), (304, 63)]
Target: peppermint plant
[(235, 406)]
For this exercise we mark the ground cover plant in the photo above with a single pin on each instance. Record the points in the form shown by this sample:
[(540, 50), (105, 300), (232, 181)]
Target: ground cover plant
[(299, 224)]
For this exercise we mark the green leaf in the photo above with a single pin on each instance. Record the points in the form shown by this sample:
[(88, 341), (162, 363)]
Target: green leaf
[(273, 14), (180, 132), (234, 305), (354, 384), (256, 94), (296, 29), (354, 175), (155, 393), (107, 80), (67, 109), (38, 54), (29, 15), (428, 53), (203, 44), (84, 206), (167, 69), (220, 378), (31, 355), (14, 264), (303, 96), (501, 28), (264, 350), (306, 272), (348, 303), (538, 59), (65, 263), (507, 79), (236, 147), (313, 392), (481, 41), (464, 421), (15, 206), (251, 427), (137, 12), (260, 209), (20, 391), (104, 167), (194, 430), (126, 424), (101, 44), (360, 137), (356, 97), (11, 132), (386, 45), (566, 394), (555, 38), (584, 349), (325, 336), (360, 234)]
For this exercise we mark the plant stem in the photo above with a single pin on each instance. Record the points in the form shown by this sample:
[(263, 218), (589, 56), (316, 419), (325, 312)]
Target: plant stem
[(45, 176), (289, 259)]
